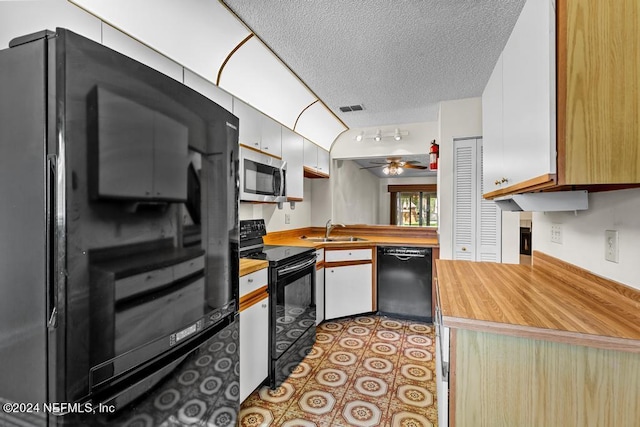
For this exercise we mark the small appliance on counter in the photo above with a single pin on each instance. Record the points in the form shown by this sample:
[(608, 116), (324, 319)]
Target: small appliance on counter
[(292, 306)]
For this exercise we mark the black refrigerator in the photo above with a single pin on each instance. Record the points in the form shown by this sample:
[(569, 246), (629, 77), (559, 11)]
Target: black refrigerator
[(119, 241)]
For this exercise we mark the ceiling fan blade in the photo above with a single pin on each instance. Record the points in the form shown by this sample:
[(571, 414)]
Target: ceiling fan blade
[(372, 167), (410, 166)]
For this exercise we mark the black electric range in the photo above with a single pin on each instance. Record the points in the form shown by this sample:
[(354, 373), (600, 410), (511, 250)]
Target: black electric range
[(292, 298)]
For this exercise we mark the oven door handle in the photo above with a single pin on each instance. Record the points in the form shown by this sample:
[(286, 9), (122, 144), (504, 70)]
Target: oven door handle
[(297, 267)]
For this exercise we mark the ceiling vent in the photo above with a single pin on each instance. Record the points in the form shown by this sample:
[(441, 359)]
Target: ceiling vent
[(350, 108)]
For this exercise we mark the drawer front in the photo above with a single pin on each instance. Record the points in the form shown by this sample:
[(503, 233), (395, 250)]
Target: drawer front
[(187, 268), (253, 281), (319, 255), (348, 255), (143, 282)]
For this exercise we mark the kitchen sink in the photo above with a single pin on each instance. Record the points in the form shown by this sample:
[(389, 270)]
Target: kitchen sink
[(334, 239)]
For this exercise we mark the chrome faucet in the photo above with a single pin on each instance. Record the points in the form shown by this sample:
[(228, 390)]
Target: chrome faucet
[(330, 227)]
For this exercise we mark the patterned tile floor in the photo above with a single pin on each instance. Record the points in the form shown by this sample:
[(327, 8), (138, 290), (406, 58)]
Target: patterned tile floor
[(364, 371)]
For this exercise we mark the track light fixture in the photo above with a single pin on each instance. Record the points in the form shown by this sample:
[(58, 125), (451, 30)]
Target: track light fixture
[(379, 135)]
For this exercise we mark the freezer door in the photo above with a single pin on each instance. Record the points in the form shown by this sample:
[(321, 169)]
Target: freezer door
[(23, 225)]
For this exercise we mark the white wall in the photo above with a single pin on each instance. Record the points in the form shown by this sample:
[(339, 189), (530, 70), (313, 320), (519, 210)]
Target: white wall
[(417, 141), (457, 119), (510, 238), (274, 218), (321, 203), (384, 210), (583, 242), (355, 194)]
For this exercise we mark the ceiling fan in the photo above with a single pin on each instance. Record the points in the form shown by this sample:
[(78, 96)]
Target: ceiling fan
[(395, 165)]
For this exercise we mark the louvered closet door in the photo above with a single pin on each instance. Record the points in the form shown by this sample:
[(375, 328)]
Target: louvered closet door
[(465, 189), (489, 223), (477, 222)]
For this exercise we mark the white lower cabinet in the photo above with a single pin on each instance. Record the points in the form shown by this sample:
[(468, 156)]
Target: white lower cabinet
[(254, 346), (348, 290), (319, 296)]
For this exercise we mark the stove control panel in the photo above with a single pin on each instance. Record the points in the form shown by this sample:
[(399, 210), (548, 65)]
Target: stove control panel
[(252, 229)]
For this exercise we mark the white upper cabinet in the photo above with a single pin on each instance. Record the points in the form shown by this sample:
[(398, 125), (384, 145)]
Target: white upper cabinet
[(522, 128), (316, 160), (293, 154), (255, 75), (271, 136), (257, 130), (208, 89), (124, 44), (319, 125), (199, 35), (323, 161), (492, 129)]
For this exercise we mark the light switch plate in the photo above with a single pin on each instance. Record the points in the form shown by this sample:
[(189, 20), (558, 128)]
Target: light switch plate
[(611, 245)]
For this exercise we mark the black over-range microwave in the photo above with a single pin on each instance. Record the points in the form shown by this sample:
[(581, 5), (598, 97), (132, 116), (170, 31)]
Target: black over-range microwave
[(263, 178)]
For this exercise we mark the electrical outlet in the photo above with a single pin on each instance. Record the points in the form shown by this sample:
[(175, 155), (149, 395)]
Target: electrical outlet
[(556, 233), (611, 245), (287, 218)]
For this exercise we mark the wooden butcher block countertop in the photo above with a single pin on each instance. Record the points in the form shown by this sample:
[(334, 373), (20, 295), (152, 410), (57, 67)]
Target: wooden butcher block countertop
[(551, 300)]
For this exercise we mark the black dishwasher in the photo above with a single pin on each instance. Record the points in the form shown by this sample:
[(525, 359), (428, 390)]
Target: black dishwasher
[(404, 282)]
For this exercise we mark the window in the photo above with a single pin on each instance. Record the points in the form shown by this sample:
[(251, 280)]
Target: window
[(414, 205)]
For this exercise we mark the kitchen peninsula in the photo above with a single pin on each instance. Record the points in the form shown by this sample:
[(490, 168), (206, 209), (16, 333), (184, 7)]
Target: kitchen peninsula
[(550, 344)]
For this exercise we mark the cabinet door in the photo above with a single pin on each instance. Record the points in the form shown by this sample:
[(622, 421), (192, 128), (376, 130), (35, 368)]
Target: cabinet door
[(293, 154), (348, 290), (249, 132), (319, 296), (170, 159), (310, 154), (254, 350), (528, 91), (492, 130), (271, 136), (323, 161)]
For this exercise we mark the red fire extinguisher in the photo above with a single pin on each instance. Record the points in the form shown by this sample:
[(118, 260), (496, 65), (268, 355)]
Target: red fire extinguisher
[(433, 156)]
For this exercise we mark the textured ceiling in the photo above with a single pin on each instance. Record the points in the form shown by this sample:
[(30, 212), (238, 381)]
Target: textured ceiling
[(399, 58)]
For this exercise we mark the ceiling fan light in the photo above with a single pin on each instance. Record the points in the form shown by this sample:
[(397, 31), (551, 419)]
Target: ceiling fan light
[(385, 170), (399, 170)]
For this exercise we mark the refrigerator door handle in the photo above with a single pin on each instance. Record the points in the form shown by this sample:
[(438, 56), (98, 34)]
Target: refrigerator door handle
[(52, 311)]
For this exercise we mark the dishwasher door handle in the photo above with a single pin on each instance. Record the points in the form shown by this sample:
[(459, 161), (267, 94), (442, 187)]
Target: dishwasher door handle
[(406, 257)]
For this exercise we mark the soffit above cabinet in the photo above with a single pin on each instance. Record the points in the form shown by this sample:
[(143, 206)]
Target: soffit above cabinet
[(199, 36), (316, 123), (209, 40), (255, 75)]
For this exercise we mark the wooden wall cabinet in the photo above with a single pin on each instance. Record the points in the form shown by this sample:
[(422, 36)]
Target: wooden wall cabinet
[(561, 110)]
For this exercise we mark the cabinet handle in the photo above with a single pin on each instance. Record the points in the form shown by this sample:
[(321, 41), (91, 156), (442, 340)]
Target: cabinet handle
[(266, 148), (264, 305), (497, 182), (464, 249), (257, 144), (250, 280), (503, 180)]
